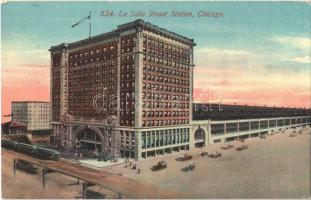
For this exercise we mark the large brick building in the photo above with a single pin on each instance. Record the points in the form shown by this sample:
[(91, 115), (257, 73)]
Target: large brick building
[(124, 91), (129, 92)]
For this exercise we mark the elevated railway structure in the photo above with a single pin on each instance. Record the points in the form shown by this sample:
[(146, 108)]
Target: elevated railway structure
[(124, 187)]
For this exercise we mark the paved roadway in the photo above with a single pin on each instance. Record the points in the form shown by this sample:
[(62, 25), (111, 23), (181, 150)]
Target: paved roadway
[(128, 187)]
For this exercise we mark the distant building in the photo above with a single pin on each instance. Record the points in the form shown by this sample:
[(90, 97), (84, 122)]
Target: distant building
[(34, 114)]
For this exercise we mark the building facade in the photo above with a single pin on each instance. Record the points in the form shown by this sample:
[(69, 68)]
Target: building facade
[(128, 92), (34, 114), (112, 91)]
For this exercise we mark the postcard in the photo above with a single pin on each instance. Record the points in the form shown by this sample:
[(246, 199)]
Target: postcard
[(155, 100)]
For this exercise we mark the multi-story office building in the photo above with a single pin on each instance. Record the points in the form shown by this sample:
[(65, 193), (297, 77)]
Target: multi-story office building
[(34, 114), (120, 90), (129, 92)]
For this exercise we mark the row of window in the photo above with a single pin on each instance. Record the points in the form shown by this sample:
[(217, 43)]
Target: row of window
[(164, 79), (147, 123), (127, 139), (127, 58), (127, 143), (165, 113), (160, 87), (154, 43), (128, 40), (91, 83), (91, 74), (164, 97), (84, 96), (91, 67), (127, 122), (93, 50), (165, 70), (169, 55), (165, 137), (128, 49), (91, 60), (245, 126), (94, 83), (165, 105), (90, 113), (160, 60)]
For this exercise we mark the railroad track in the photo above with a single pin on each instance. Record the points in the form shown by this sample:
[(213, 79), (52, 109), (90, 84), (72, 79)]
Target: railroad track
[(129, 187)]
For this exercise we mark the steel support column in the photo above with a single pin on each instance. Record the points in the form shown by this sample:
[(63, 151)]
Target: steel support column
[(84, 187), (14, 167), (43, 177)]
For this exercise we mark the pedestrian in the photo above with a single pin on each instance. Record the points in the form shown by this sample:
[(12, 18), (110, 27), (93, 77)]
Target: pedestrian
[(138, 171)]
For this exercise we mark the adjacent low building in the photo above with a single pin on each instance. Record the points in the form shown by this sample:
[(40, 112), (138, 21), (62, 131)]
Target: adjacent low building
[(214, 123), (36, 115)]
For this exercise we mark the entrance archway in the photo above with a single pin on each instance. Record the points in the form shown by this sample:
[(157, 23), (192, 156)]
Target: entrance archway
[(199, 137), (89, 139)]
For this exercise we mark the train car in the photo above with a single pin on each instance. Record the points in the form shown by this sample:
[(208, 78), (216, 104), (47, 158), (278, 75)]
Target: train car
[(26, 148), (47, 153), (8, 144)]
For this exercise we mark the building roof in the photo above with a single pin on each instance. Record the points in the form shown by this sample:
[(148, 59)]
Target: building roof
[(231, 112), (124, 27), (30, 102), (13, 124)]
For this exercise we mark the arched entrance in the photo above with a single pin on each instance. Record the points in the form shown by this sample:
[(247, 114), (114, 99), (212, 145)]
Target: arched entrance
[(199, 137), (89, 139)]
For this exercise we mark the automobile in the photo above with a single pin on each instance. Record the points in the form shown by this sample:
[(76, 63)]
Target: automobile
[(241, 148), (184, 157), (190, 167), (160, 165), (215, 155)]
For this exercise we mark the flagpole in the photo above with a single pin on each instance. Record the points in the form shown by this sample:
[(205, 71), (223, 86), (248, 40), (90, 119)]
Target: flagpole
[(90, 23), (90, 31)]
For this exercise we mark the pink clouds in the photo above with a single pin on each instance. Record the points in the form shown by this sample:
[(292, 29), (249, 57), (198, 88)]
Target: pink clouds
[(252, 86), (29, 82), (22, 92), (288, 97)]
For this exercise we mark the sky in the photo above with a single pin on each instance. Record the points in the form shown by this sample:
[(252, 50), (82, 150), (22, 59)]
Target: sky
[(256, 53)]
